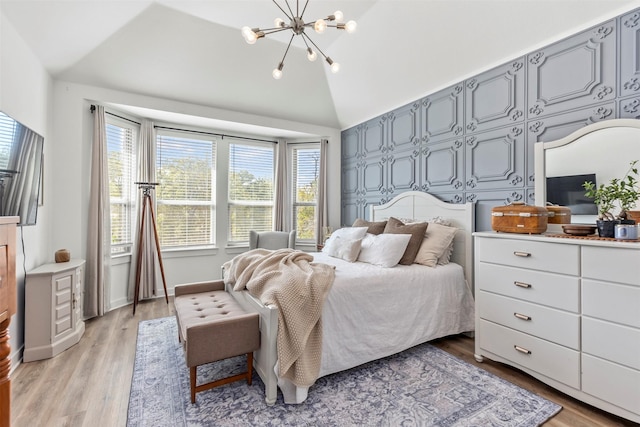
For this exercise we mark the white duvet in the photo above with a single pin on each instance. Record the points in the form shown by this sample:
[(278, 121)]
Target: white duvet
[(373, 312)]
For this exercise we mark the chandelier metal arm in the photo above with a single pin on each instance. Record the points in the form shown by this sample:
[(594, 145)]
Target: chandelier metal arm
[(288, 15), (304, 36), (288, 46)]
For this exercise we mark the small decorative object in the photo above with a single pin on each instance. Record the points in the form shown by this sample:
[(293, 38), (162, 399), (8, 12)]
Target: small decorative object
[(579, 229), (626, 232), (622, 193), (62, 255), (519, 218), (558, 214)]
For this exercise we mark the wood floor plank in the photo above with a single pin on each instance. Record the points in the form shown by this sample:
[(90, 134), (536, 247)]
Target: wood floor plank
[(88, 384)]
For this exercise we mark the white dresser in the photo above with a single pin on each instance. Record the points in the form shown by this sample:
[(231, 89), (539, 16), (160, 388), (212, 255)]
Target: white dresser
[(566, 311), (53, 309)]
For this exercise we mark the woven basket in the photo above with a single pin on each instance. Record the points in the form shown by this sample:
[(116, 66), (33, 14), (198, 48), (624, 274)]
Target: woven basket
[(62, 255)]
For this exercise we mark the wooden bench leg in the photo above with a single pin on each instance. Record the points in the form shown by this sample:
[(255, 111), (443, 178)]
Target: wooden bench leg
[(198, 388)]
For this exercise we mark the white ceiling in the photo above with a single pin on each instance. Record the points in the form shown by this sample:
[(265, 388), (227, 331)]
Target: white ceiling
[(192, 51)]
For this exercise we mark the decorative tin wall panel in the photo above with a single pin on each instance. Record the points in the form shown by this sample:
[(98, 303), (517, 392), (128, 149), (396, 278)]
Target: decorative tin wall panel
[(374, 177), (495, 159), (350, 144), (373, 137), (555, 127), (350, 181), (630, 54), (485, 200), (442, 114), (495, 98), (350, 211), (566, 86), (629, 108), (575, 72), (442, 166), (404, 127), (403, 170)]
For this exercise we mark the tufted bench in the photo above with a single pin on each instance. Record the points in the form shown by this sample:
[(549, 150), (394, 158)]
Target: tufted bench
[(212, 326)]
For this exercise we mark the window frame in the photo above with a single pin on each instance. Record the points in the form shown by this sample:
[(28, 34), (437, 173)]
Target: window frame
[(125, 248), (292, 174), (188, 134)]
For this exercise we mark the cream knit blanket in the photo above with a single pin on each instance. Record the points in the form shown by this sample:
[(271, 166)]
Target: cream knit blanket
[(298, 287)]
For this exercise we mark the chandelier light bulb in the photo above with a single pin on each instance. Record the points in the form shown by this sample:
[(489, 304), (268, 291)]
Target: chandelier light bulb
[(277, 72), (311, 54), (320, 26), (338, 15), (249, 35), (335, 67), (350, 27), (278, 22)]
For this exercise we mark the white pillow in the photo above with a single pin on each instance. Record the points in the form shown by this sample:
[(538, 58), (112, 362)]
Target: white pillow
[(436, 244), (346, 249), (342, 234), (384, 249)]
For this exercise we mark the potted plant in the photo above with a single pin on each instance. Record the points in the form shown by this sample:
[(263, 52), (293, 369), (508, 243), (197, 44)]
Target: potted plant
[(623, 193)]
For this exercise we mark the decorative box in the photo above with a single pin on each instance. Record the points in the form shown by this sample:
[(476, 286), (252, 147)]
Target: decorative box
[(519, 218), (559, 214)]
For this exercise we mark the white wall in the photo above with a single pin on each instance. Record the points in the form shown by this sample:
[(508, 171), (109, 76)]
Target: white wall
[(25, 95), (72, 130)]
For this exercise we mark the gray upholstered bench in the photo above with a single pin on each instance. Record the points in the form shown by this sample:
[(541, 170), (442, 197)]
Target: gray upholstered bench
[(212, 326)]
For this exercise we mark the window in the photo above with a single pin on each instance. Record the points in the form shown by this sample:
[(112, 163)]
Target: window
[(121, 160), (185, 198), (250, 205), (305, 167)]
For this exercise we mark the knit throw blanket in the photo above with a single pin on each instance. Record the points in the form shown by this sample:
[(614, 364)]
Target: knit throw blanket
[(298, 287)]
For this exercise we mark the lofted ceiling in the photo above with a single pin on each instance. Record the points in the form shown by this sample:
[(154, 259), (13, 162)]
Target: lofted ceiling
[(192, 51)]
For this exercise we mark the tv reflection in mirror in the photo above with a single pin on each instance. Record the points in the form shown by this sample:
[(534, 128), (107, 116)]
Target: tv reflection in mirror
[(20, 170), (568, 191)]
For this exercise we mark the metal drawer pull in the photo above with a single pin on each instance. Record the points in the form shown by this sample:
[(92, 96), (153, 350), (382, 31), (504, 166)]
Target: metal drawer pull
[(522, 316), (522, 284), (522, 349), (522, 254)]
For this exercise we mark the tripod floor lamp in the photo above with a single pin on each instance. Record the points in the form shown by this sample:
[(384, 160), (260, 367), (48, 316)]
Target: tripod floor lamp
[(146, 188)]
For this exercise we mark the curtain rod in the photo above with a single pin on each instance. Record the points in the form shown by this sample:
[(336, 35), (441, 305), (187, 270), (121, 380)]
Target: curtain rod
[(93, 108), (222, 135)]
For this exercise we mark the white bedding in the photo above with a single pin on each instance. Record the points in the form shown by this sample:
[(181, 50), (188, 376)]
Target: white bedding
[(373, 312)]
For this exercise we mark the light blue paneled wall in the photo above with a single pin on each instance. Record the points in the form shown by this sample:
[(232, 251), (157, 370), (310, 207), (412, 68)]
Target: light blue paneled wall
[(474, 140)]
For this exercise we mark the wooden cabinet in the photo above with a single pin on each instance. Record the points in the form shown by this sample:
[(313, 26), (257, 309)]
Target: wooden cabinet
[(7, 309), (566, 311), (53, 309)]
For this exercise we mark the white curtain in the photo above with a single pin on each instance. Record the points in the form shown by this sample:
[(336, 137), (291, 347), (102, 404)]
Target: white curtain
[(280, 217), (98, 265), (145, 257), (322, 213), (21, 196)]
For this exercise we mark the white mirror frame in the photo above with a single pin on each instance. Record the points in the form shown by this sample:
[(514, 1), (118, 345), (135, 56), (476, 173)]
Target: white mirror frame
[(540, 150)]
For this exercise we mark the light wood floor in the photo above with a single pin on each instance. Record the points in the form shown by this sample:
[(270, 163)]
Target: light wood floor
[(88, 385)]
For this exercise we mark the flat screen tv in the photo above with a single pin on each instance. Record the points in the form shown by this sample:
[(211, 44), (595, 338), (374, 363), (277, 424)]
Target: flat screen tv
[(20, 170), (568, 191)]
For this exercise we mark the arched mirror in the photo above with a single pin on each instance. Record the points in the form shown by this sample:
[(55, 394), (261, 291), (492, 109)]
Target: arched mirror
[(598, 153)]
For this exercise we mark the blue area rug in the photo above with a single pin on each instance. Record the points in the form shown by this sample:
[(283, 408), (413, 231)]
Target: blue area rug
[(422, 386)]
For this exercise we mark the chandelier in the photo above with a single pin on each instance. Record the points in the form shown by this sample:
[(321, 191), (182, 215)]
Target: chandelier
[(297, 27)]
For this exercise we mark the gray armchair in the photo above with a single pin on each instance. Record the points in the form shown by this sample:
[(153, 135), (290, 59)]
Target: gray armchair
[(272, 239)]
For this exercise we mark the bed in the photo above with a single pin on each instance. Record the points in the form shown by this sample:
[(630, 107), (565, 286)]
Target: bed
[(360, 317)]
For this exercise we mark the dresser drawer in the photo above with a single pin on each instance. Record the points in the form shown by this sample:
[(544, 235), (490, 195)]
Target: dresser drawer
[(617, 343), (611, 264), (553, 290), (551, 257), (614, 383), (551, 360), (550, 324), (608, 301)]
